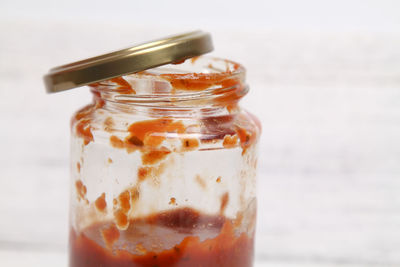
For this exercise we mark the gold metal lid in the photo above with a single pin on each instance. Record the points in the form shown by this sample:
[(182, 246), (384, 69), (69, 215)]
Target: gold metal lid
[(134, 59)]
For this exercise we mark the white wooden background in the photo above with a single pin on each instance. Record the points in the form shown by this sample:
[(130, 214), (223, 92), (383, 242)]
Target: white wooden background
[(329, 178)]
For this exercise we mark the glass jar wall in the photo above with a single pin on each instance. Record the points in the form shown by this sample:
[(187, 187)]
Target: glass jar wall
[(163, 169)]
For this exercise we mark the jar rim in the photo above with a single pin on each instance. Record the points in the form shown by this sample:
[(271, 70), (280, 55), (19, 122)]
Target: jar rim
[(231, 68), (175, 73), (176, 83)]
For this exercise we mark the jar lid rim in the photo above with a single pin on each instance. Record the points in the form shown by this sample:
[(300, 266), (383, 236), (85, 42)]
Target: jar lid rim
[(127, 61)]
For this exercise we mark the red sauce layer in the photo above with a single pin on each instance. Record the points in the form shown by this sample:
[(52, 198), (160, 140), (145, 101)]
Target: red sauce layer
[(179, 238)]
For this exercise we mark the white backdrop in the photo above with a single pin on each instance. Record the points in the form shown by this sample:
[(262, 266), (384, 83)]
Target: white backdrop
[(325, 82)]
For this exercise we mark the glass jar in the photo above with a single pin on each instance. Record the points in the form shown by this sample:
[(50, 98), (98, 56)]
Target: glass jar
[(163, 169)]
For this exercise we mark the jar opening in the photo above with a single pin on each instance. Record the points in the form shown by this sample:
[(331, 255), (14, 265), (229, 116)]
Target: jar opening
[(195, 79)]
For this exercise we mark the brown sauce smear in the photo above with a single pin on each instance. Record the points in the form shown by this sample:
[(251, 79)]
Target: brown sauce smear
[(177, 238)]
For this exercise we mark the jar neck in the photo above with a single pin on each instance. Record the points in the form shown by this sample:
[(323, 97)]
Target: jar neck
[(173, 93)]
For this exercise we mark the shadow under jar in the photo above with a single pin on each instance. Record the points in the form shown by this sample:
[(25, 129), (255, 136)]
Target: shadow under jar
[(163, 170)]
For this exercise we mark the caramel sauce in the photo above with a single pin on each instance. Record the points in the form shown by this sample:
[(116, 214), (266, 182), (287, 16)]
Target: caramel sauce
[(154, 156), (178, 62), (194, 59), (110, 235), (124, 204), (116, 142), (153, 141), (148, 136), (216, 128), (82, 122), (123, 86), (172, 201), (230, 99), (150, 128), (245, 137), (84, 112), (192, 81), (190, 144), (224, 202), (81, 190), (83, 129), (177, 238), (134, 193), (78, 167), (153, 172), (143, 173), (108, 124), (121, 219), (148, 133), (140, 249), (134, 141), (201, 182), (230, 141), (124, 200), (199, 81), (101, 203), (152, 133), (98, 100)]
